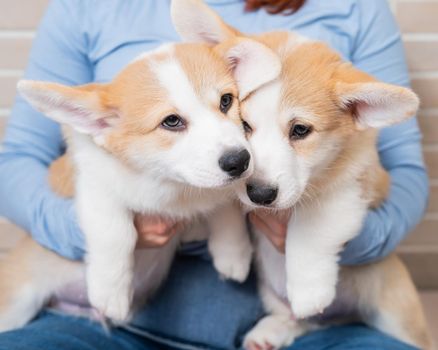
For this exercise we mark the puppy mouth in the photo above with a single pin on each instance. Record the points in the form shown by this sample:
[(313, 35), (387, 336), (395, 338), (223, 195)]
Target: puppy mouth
[(213, 180)]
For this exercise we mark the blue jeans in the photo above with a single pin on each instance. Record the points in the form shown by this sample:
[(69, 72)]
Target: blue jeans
[(194, 310)]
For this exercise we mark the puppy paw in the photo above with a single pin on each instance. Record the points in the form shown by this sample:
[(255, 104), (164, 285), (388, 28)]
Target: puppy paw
[(233, 264), (112, 300), (310, 300), (271, 333)]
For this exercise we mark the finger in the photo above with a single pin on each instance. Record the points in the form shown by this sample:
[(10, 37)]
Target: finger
[(261, 225), (152, 241), (162, 227), (278, 241), (172, 229), (153, 223), (270, 219), (157, 240), (276, 227), (282, 216)]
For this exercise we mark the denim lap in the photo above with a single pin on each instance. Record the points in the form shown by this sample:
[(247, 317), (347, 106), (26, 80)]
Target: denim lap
[(195, 309), (56, 332)]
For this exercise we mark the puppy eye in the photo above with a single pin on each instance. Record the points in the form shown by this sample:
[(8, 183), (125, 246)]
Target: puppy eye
[(226, 102), (173, 122), (246, 127), (299, 131)]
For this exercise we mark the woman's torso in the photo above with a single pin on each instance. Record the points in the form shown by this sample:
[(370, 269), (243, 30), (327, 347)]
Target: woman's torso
[(120, 30)]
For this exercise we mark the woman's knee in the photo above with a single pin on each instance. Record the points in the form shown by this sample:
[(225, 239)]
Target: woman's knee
[(53, 332)]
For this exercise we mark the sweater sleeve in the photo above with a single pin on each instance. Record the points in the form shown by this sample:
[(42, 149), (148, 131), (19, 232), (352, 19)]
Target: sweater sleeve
[(378, 50), (32, 141)]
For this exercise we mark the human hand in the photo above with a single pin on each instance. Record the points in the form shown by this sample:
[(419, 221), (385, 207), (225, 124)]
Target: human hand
[(274, 226), (155, 231)]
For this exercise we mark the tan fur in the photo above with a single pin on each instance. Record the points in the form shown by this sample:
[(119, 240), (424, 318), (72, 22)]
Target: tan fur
[(25, 274), (375, 183), (61, 176), (29, 261), (19, 265), (385, 289), (141, 103), (15, 271), (197, 64)]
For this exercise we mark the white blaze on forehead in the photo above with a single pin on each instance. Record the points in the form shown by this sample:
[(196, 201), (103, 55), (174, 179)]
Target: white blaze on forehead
[(267, 107), (173, 78), (264, 105), (262, 113), (293, 42), (162, 49)]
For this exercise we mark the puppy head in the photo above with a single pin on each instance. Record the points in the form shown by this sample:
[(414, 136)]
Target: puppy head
[(173, 112), (301, 125)]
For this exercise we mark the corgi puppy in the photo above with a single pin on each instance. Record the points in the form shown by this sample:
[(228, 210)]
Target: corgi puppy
[(313, 134), (165, 138)]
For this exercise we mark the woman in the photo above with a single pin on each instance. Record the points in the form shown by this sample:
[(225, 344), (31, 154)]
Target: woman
[(80, 41)]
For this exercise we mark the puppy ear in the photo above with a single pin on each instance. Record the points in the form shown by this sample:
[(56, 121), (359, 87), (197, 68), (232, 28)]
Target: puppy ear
[(374, 104), (252, 63), (80, 107), (196, 22)]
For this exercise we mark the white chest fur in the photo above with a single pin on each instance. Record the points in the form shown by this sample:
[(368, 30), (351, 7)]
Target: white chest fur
[(307, 274)]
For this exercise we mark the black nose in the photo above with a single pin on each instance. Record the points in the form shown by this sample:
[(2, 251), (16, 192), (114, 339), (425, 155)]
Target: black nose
[(235, 162), (261, 194)]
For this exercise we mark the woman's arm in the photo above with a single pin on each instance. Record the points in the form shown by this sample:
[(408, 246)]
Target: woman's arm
[(32, 141), (379, 51)]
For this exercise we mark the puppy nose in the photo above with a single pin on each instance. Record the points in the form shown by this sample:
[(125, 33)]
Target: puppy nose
[(235, 162), (261, 194)]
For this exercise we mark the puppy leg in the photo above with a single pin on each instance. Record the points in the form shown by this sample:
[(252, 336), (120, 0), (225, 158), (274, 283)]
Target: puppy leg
[(315, 236), (111, 238), (229, 243), (388, 301), (29, 276), (276, 330)]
